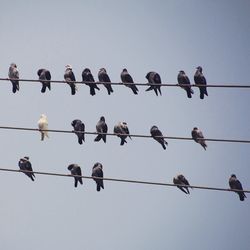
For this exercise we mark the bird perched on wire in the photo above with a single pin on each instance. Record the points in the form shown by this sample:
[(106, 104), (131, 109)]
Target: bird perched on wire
[(79, 129), (234, 183), (200, 79), (128, 81), (76, 170), (44, 77), (154, 78), (14, 76), (98, 172), (88, 79), (25, 164), (183, 79), (122, 131), (181, 180), (43, 126), (198, 137), (70, 78), (103, 77), (101, 129), (157, 135)]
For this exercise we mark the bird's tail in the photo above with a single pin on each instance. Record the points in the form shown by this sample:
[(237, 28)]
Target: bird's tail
[(98, 187), (79, 139), (204, 145), (163, 145), (92, 91), (43, 88), (123, 141), (150, 88), (242, 196), (98, 137), (104, 138)]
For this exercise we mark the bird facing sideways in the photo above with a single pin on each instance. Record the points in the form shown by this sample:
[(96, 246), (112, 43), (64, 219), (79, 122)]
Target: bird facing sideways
[(76, 170), (154, 78), (88, 79), (181, 180), (198, 137), (128, 81), (25, 164), (234, 183), (104, 78), (183, 79), (79, 129), (122, 131), (158, 136)]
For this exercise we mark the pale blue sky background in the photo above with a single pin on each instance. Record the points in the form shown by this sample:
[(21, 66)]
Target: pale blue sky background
[(165, 36)]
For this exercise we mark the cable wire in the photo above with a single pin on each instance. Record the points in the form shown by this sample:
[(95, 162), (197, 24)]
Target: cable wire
[(138, 84), (132, 135), (125, 180)]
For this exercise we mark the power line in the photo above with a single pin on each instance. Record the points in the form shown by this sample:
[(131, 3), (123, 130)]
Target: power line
[(131, 135), (138, 84), (124, 180)]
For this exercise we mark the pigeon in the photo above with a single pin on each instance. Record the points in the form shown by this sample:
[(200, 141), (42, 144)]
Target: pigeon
[(122, 129), (103, 77), (70, 78), (181, 180), (101, 127), (14, 74), (24, 164), (79, 129), (43, 125), (155, 132), (76, 170), (128, 81), (44, 77), (154, 78), (97, 172), (88, 78), (200, 79), (198, 137), (234, 183), (183, 79)]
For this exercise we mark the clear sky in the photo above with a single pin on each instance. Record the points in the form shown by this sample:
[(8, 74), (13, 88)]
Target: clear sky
[(165, 36)]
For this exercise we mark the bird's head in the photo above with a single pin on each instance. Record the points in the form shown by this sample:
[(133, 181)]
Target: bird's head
[(70, 167), (124, 70), (102, 118), (13, 65), (26, 158), (68, 66), (199, 68), (102, 70), (86, 70), (195, 128), (182, 71), (233, 175)]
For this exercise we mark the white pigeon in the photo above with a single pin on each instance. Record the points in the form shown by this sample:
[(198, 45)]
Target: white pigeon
[(43, 125)]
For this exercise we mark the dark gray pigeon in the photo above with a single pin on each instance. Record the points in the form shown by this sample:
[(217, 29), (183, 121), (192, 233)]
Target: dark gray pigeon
[(88, 78), (198, 137), (154, 78), (181, 180), (97, 172), (24, 164), (103, 77), (44, 77), (79, 129), (76, 170), (234, 183), (183, 79), (200, 79), (155, 132), (70, 78), (128, 81), (122, 129), (14, 74), (101, 127)]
